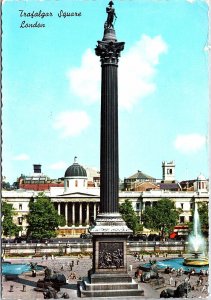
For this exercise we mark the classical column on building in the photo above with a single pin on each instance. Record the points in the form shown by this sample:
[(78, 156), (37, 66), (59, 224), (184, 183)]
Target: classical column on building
[(110, 231), (80, 214), (59, 208), (73, 214), (66, 214), (87, 214), (95, 210)]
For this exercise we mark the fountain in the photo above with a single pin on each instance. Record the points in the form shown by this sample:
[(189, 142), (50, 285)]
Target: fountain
[(17, 269), (196, 244)]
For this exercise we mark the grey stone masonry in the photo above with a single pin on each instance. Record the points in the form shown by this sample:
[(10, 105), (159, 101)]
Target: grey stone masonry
[(109, 51)]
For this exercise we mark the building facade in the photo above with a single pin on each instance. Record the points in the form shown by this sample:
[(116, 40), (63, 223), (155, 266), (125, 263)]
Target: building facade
[(79, 202)]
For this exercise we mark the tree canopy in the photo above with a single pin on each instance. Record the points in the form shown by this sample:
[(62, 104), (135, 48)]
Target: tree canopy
[(130, 216), (43, 218), (9, 228), (162, 216), (203, 216)]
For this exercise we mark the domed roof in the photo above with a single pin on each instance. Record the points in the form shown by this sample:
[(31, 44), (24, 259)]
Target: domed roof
[(75, 170)]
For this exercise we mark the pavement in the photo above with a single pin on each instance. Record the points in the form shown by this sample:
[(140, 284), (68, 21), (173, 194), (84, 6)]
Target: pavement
[(81, 266)]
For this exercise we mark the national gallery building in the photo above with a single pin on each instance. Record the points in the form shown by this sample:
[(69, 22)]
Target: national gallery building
[(77, 197)]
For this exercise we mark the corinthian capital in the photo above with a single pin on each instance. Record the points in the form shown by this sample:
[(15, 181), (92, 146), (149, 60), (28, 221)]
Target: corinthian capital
[(109, 51)]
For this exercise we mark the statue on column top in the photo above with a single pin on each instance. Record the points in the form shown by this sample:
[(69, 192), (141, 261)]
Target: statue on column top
[(111, 14)]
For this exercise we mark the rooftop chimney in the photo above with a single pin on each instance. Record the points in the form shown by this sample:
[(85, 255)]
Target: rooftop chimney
[(37, 168)]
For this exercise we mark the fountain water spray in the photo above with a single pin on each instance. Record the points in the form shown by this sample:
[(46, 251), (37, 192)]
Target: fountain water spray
[(197, 244), (196, 240)]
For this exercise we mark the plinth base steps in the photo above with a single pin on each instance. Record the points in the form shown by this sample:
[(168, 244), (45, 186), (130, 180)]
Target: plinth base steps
[(128, 287)]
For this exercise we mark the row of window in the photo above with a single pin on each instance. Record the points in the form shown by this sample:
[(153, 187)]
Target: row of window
[(76, 183)]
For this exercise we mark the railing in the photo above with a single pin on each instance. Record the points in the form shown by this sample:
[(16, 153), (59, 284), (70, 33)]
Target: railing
[(65, 248)]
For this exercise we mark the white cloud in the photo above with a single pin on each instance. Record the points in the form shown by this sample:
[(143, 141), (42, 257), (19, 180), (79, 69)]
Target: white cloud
[(189, 143), (60, 165), (85, 80), (21, 156), (71, 123), (192, 1), (137, 69)]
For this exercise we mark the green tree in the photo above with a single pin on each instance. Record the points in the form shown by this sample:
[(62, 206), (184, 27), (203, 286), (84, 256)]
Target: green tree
[(9, 228), (163, 216), (43, 219), (203, 216), (130, 216)]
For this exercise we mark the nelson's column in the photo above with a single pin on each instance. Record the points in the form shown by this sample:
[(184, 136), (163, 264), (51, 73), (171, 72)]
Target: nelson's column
[(108, 276)]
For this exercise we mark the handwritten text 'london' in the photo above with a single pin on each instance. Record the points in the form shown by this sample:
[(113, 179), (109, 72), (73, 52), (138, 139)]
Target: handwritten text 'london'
[(40, 14)]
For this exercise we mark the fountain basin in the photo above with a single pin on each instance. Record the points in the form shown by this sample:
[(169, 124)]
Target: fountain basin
[(17, 269), (196, 260), (196, 263), (175, 263)]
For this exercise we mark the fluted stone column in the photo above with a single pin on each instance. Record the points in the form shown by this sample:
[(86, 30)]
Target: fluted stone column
[(110, 232), (73, 214), (80, 214), (59, 208), (109, 51), (66, 213), (87, 214), (95, 210)]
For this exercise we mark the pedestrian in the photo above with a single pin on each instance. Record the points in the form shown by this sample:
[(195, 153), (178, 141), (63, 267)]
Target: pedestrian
[(170, 280), (77, 262), (175, 283), (200, 279), (203, 288)]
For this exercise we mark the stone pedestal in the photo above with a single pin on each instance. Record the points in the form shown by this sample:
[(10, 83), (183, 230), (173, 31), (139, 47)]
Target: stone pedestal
[(109, 276)]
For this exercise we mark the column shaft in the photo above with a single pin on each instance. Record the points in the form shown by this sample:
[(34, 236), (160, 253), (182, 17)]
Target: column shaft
[(59, 208), (87, 214), (80, 214), (73, 214), (66, 213), (109, 164), (95, 211)]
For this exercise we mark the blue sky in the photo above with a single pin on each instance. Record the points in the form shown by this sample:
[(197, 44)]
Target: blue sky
[(51, 86)]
